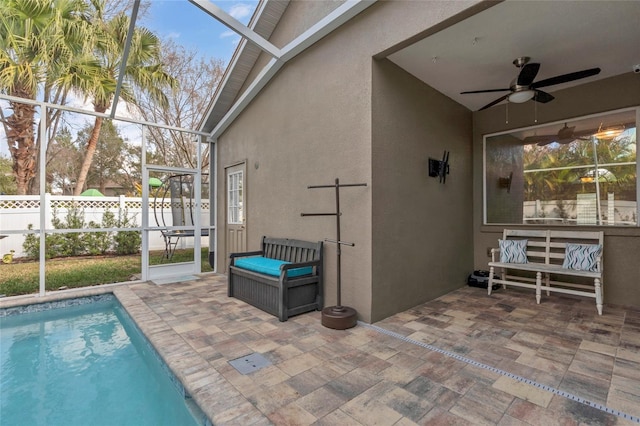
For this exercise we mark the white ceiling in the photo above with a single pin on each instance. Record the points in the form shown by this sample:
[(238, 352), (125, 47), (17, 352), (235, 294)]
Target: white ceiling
[(563, 36)]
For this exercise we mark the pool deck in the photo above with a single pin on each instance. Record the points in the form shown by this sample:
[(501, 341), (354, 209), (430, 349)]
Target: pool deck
[(463, 359)]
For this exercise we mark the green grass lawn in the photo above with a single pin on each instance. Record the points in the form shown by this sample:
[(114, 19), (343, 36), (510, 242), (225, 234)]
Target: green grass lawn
[(70, 272)]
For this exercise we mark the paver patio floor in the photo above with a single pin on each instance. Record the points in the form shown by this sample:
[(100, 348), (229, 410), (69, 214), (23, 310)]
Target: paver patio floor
[(464, 358)]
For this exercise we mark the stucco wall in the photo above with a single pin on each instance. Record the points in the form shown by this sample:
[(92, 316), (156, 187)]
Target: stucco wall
[(421, 228), (622, 244), (311, 124)]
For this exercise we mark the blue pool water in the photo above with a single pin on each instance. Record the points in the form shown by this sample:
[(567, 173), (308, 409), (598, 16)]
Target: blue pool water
[(85, 365)]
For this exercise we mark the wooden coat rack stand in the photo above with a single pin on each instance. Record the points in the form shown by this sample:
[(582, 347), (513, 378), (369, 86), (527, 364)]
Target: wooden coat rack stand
[(337, 317)]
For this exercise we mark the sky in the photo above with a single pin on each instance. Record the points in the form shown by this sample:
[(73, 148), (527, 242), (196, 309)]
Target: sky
[(188, 25), (185, 24)]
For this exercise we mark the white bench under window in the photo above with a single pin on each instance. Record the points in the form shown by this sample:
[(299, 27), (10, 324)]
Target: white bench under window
[(543, 259)]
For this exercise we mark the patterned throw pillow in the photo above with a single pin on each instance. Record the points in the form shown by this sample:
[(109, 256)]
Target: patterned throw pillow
[(513, 251), (582, 257)]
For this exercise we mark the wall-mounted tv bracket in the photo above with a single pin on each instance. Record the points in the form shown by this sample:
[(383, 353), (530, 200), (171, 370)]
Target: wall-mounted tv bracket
[(337, 317), (505, 182), (438, 168)]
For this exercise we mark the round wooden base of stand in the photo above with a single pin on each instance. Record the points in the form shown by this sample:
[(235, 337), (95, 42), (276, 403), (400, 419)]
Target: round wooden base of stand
[(339, 317)]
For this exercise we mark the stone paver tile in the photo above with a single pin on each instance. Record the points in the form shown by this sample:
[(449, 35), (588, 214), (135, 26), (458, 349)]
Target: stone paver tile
[(273, 398), (628, 354), (487, 395), (356, 338), (581, 413), (439, 369), (338, 417), (299, 364), (600, 348), (440, 417), (626, 368), (352, 384), (437, 394), (237, 411), (292, 415), (543, 364), (308, 344), (262, 345), (589, 388), (405, 422), (321, 402), (523, 391), (282, 353), (404, 402), (396, 374), (624, 396), (371, 413), (592, 364), (475, 412), (535, 415), (306, 382), (507, 420)]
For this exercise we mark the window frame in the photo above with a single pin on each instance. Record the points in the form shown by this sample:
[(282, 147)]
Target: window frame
[(487, 136), (235, 214)]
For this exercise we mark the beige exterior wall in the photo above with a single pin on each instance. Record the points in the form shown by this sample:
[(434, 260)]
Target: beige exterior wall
[(622, 244), (420, 240), (313, 123), (333, 111)]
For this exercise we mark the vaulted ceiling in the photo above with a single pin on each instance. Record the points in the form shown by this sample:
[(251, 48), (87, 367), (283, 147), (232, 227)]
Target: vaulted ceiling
[(563, 36)]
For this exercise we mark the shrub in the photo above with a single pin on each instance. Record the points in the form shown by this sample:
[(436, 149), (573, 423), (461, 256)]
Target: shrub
[(93, 243), (71, 244), (127, 242), (100, 242), (31, 244)]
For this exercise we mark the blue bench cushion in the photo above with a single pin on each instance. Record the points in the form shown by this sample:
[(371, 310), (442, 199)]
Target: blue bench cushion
[(267, 266)]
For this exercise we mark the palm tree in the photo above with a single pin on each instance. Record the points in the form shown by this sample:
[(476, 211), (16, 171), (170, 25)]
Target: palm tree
[(43, 46), (143, 70)]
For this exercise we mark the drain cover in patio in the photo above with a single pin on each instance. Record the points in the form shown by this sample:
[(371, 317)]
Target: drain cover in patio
[(250, 363)]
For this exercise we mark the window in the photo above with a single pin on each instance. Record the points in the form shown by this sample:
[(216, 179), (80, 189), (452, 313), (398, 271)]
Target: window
[(579, 172), (234, 198)]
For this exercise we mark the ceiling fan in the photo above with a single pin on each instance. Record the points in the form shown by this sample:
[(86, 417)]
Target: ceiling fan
[(565, 135), (523, 88)]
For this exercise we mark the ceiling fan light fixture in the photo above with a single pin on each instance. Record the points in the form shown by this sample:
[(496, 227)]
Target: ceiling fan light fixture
[(609, 132), (521, 96)]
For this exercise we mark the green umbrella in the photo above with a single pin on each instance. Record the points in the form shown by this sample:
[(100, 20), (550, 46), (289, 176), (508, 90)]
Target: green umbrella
[(92, 192), (155, 182)]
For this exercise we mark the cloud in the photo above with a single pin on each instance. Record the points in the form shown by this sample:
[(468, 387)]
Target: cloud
[(228, 34), (173, 35), (241, 10)]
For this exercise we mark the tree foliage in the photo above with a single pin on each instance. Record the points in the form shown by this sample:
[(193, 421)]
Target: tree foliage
[(563, 165), (7, 183), (45, 48), (111, 166), (143, 71), (198, 79)]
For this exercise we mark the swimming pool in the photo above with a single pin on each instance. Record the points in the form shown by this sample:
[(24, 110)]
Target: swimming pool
[(85, 365)]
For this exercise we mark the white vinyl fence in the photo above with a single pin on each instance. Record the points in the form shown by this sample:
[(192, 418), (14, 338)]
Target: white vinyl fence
[(18, 212), (582, 211)]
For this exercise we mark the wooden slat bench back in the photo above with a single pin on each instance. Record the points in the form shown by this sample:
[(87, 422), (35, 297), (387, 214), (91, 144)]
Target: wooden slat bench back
[(545, 255)]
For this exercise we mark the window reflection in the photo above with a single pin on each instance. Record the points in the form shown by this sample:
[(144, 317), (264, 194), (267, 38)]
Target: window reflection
[(579, 172)]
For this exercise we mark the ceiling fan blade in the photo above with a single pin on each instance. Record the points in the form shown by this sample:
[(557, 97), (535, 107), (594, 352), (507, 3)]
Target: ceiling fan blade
[(540, 140), (542, 97), (527, 74), (565, 78), (566, 132), (546, 142), (500, 99), (485, 91)]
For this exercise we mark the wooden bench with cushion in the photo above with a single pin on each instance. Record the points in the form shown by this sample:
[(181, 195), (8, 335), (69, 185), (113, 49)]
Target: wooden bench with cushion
[(550, 255), (283, 279)]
